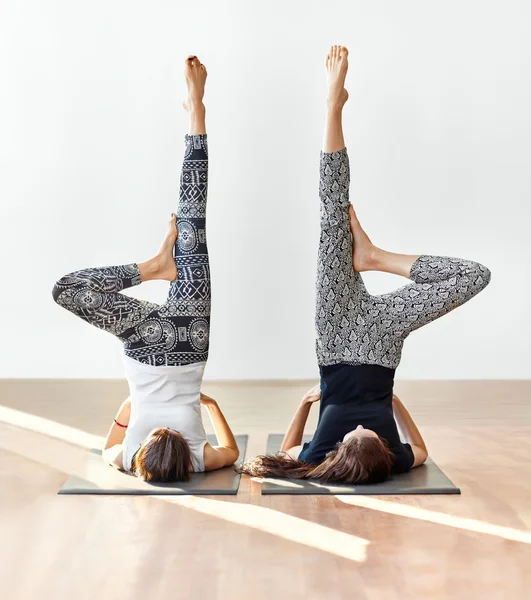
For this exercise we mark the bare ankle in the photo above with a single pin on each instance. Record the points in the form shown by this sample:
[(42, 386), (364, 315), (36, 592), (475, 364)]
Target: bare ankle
[(391, 262), (197, 108), (367, 259), (334, 108), (197, 121), (374, 258), (149, 269)]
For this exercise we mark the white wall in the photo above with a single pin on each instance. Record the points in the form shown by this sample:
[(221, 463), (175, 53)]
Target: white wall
[(439, 134)]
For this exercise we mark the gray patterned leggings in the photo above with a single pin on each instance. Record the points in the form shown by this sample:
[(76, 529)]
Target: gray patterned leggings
[(355, 327), (176, 332)]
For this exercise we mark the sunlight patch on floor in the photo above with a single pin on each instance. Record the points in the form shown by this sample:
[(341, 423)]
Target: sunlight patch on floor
[(288, 527), (423, 514), (50, 428)]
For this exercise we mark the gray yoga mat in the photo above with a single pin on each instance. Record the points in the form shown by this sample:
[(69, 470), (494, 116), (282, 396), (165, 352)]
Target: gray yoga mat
[(426, 479), (96, 477)]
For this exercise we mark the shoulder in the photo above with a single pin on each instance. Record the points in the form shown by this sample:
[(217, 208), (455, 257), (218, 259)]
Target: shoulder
[(407, 457), (311, 453), (403, 458)]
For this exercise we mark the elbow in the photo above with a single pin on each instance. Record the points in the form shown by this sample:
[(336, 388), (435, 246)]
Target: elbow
[(231, 456), (234, 456), (107, 457), (420, 455)]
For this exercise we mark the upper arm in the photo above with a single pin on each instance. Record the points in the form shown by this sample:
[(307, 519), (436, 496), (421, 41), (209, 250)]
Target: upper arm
[(114, 456), (419, 456), (217, 457)]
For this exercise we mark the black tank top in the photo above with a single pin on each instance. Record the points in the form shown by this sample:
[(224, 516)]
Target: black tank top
[(353, 395)]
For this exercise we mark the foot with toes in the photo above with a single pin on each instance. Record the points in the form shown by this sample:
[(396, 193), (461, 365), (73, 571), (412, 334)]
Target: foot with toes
[(336, 70), (195, 75)]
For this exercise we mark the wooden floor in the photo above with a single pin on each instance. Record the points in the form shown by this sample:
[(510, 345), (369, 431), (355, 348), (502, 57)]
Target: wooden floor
[(477, 545)]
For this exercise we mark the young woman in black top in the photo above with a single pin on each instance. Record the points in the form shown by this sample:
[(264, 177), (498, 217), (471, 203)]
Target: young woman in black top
[(360, 336)]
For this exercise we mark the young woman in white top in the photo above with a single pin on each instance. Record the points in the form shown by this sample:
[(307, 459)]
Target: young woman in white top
[(158, 432)]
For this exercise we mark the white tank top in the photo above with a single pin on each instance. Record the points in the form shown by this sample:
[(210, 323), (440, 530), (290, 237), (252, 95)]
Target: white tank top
[(164, 397)]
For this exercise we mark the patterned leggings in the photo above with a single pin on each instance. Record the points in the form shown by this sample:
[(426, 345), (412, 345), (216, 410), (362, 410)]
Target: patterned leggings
[(355, 327), (174, 333)]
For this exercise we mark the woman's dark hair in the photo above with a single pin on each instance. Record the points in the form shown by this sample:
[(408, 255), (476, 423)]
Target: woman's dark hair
[(358, 460), (163, 456)]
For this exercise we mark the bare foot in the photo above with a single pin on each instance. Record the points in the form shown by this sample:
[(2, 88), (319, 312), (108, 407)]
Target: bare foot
[(365, 252), (336, 69), (195, 74), (166, 267)]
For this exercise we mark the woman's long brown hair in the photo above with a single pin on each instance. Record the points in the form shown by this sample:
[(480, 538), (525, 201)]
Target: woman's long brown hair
[(358, 460), (164, 456)]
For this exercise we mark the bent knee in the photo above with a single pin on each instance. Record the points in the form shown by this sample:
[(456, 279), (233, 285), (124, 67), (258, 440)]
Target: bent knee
[(57, 290), (481, 277), (60, 286)]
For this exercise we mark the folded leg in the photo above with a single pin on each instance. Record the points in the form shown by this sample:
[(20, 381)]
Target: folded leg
[(440, 284), (94, 295)]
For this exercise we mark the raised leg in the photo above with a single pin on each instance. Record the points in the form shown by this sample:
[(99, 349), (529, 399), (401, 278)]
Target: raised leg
[(353, 326), (191, 252), (189, 295), (336, 71), (340, 290), (176, 332)]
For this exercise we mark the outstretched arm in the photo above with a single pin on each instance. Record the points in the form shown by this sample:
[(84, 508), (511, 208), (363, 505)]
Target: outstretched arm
[(292, 442), (410, 432), (227, 452)]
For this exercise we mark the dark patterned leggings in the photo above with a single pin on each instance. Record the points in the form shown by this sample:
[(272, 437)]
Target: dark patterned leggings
[(352, 325), (174, 333)]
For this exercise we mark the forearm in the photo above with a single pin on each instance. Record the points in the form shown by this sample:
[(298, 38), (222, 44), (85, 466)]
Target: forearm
[(116, 433), (221, 427), (407, 425), (295, 430)]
